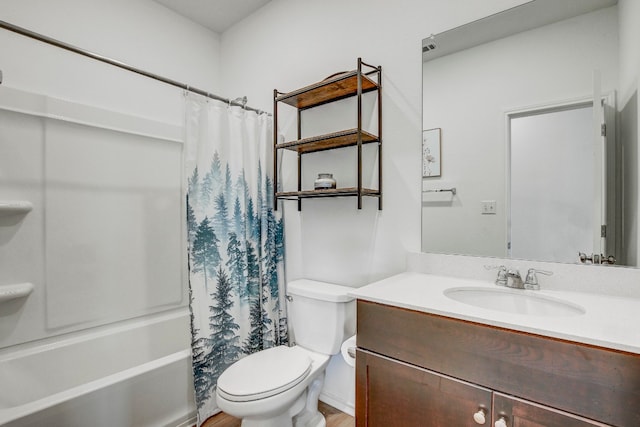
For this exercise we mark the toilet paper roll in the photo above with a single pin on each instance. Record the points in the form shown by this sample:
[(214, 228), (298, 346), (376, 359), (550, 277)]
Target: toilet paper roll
[(348, 350)]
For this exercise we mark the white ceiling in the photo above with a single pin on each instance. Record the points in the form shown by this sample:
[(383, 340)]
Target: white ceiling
[(217, 15)]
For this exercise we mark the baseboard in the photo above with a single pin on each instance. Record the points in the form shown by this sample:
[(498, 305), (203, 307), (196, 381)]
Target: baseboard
[(189, 423), (337, 403)]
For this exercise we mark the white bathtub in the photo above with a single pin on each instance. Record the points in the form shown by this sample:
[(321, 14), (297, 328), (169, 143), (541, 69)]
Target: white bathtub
[(137, 373)]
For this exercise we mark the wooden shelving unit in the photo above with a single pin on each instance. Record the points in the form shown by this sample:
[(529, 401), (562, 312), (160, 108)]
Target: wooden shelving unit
[(334, 88)]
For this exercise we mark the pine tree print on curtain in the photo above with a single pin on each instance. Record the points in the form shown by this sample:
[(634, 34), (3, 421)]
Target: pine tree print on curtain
[(235, 242)]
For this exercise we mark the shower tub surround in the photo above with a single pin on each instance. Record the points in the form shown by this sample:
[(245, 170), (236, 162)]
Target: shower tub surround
[(121, 375), (101, 338)]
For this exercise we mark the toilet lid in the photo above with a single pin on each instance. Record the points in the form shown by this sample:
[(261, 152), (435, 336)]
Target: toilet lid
[(263, 374)]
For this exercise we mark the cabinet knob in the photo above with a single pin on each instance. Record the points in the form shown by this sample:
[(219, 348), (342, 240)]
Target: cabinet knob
[(480, 416), (502, 422)]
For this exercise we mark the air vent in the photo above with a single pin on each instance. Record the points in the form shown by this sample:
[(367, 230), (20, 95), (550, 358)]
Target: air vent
[(428, 47)]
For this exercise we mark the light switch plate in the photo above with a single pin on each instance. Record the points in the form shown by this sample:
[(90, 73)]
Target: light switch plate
[(488, 207)]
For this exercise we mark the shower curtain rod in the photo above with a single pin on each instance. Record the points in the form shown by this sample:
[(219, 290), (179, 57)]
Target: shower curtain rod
[(240, 102)]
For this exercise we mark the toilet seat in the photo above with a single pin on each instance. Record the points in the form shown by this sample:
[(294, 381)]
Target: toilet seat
[(263, 374)]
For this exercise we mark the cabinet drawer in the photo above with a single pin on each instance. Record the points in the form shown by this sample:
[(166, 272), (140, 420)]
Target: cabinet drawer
[(597, 383)]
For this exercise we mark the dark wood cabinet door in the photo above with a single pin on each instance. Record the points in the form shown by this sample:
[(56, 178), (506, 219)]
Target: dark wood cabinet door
[(520, 413), (390, 393)]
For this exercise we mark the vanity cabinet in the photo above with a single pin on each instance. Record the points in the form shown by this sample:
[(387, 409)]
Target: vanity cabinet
[(333, 88), (420, 369)]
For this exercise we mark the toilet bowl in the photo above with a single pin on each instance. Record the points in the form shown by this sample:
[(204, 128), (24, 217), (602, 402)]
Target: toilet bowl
[(269, 388), (279, 387)]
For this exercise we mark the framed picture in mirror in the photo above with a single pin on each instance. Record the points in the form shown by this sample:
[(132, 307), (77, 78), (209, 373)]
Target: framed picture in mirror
[(431, 161)]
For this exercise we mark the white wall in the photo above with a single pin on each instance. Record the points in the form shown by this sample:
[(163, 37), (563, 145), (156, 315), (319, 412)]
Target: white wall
[(140, 33), (288, 44), (87, 274), (482, 85)]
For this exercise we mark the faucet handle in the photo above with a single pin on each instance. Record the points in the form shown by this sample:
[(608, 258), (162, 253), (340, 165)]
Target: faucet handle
[(502, 278), (531, 281)]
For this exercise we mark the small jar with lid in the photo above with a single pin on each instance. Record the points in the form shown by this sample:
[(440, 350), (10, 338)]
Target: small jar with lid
[(324, 181)]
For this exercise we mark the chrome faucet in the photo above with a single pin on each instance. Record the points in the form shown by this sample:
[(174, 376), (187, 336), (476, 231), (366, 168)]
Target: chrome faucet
[(508, 278), (514, 280), (511, 278)]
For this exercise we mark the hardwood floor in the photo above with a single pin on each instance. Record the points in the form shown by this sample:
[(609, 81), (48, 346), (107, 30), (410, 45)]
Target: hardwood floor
[(334, 418)]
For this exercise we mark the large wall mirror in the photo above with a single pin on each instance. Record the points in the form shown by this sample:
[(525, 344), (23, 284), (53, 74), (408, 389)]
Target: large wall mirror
[(530, 136)]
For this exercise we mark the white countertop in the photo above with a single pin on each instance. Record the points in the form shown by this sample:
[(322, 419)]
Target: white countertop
[(608, 321)]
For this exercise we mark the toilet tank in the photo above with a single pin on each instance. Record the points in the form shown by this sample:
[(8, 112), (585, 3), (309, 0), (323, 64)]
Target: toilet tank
[(321, 314)]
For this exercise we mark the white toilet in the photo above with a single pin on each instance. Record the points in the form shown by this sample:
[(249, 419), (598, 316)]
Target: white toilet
[(279, 387)]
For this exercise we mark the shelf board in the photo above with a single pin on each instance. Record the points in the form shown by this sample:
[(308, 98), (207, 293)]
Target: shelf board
[(342, 86), (14, 207), (345, 138), (330, 192)]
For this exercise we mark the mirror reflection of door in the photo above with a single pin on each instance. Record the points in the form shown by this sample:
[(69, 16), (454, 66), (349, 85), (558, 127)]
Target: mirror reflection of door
[(553, 197)]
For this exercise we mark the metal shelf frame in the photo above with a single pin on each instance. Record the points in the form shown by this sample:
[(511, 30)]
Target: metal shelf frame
[(334, 88)]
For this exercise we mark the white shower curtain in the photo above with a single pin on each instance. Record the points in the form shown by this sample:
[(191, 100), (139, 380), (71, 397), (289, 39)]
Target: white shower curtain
[(235, 241)]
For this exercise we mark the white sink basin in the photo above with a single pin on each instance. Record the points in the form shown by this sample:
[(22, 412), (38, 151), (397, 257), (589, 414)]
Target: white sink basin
[(514, 301)]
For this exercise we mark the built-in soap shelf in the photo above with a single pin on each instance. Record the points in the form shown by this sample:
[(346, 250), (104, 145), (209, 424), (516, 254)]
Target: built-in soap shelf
[(19, 290), (15, 207), (11, 208)]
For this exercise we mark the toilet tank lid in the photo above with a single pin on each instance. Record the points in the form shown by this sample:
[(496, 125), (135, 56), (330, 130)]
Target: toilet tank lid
[(319, 290)]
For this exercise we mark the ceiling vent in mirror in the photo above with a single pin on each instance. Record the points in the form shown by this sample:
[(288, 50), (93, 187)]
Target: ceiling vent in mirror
[(429, 43), (428, 47)]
